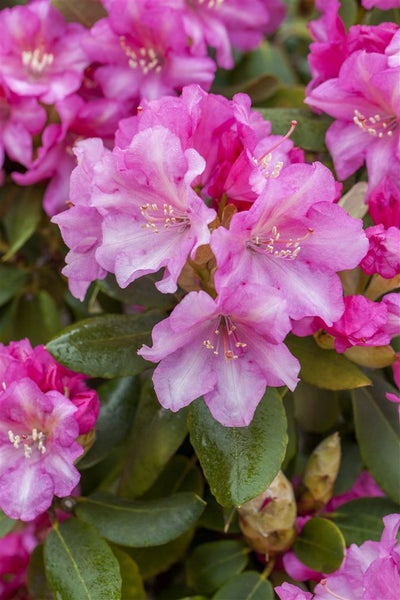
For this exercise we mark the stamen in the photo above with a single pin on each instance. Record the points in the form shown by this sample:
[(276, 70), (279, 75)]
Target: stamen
[(29, 442), (377, 125), (145, 59), (165, 216), (224, 339), (37, 61), (275, 245), (324, 583), (266, 158)]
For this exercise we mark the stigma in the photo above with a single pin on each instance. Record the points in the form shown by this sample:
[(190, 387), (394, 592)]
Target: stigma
[(224, 340)]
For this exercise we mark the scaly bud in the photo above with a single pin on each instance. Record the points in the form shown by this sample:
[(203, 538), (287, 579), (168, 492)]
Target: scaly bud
[(320, 475), (268, 521)]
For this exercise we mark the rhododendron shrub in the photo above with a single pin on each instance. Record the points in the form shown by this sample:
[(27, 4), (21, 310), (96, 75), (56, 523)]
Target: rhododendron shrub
[(199, 299)]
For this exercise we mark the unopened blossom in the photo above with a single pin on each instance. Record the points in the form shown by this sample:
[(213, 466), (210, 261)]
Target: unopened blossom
[(221, 24), (383, 256), (368, 572), (38, 449), (285, 241), (227, 350), (142, 51), (40, 53)]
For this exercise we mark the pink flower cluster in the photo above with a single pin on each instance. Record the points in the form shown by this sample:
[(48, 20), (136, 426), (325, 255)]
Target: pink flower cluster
[(91, 78), (202, 172), (368, 572), (44, 409)]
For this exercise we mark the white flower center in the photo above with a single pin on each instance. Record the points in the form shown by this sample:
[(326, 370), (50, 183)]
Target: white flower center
[(273, 244), (166, 217), (224, 339), (146, 59), (37, 61), (377, 125), (28, 441)]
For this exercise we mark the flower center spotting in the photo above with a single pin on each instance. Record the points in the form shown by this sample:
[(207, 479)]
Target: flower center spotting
[(377, 125), (272, 243), (224, 339), (164, 217), (29, 442), (146, 59), (36, 61)]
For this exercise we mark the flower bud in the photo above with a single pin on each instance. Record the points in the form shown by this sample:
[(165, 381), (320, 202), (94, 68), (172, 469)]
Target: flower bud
[(320, 474), (268, 521)]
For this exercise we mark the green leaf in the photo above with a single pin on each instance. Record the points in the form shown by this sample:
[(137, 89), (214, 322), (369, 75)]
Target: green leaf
[(315, 410), (246, 586), (141, 292), (158, 559), (118, 399), (77, 11), (320, 545), (361, 519), (22, 217), (37, 583), (12, 281), (155, 436), (132, 584), (179, 475), (105, 346), (6, 524), (138, 523), (240, 462), (310, 131), (211, 565), (37, 317), (325, 368), (79, 564), (378, 435)]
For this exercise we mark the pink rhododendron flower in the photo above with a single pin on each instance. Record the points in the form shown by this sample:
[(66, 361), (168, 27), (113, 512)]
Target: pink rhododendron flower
[(40, 54), (383, 256), (19, 360), (228, 349), (384, 203), (368, 572), (143, 51), (363, 99), (20, 120), (382, 4), (38, 449), (15, 551), (285, 241), (221, 24)]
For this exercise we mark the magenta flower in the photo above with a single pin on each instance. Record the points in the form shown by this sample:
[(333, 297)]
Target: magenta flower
[(284, 241), (383, 255), (384, 202), (143, 51), (227, 350), (38, 449), (363, 99), (40, 54), (382, 4)]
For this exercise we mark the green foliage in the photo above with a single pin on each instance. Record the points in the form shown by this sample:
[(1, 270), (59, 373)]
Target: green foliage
[(6, 524), (141, 523), (361, 519), (240, 462), (246, 586), (320, 545), (80, 564)]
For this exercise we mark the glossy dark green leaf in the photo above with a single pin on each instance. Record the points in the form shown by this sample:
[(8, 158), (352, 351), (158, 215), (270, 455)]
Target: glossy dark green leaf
[(350, 466), (6, 524), (310, 131), (141, 292), (12, 281), (179, 475), (22, 217), (118, 399), (132, 583), (316, 410), (79, 563), (210, 565), (155, 436), (320, 545), (37, 317), (361, 519), (240, 462), (158, 559), (246, 586), (378, 435), (325, 368), (105, 346), (141, 523), (37, 583)]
